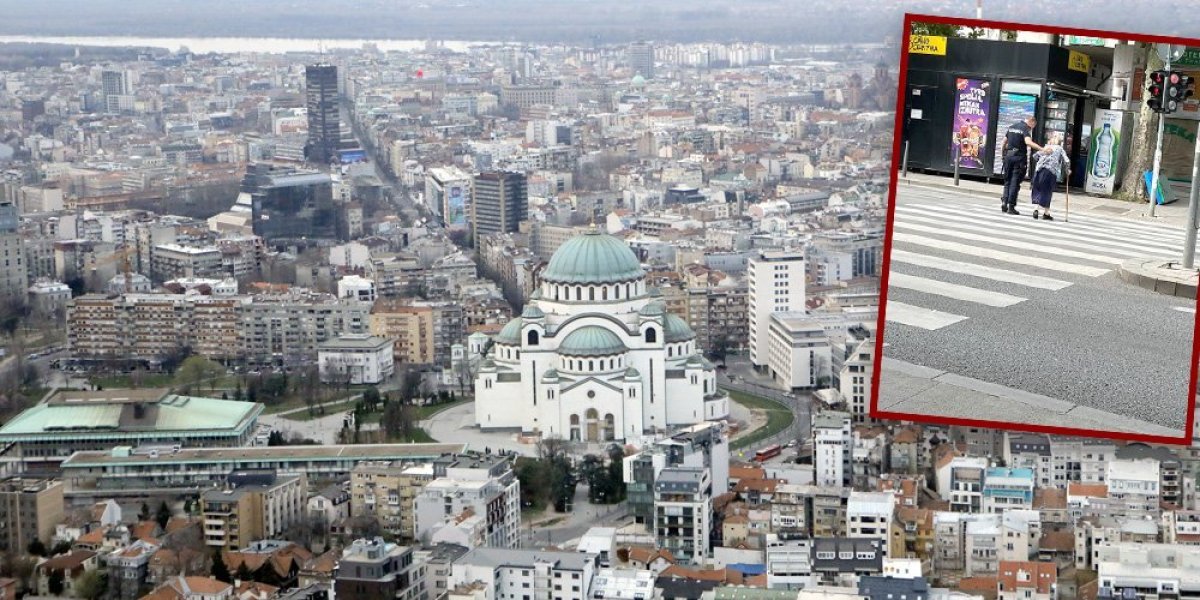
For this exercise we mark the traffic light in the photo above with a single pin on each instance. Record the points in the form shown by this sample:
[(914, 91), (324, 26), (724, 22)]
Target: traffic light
[(1178, 90), (1157, 90)]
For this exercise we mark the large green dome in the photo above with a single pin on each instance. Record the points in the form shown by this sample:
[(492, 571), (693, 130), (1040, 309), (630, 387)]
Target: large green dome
[(511, 333), (592, 340), (593, 257), (677, 330)]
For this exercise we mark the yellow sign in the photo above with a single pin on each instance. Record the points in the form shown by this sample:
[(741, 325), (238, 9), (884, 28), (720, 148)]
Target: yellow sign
[(1079, 61), (927, 44)]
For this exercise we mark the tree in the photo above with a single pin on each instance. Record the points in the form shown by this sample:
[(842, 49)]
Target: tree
[(12, 313), (393, 421), (243, 572), (535, 482), (464, 373), (37, 548), (1142, 140), (561, 478), (92, 585), (720, 348), (19, 567), (62, 547), (371, 398), (163, 515), (941, 29), (194, 371), (591, 470), (220, 571), (55, 582)]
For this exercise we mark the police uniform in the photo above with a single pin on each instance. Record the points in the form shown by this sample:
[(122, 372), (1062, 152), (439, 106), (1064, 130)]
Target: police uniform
[(1016, 163)]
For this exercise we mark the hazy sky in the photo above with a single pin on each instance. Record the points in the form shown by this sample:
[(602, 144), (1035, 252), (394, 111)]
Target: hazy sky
[(577, 21)]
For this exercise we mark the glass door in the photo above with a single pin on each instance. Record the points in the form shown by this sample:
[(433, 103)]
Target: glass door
[(1060, 116)]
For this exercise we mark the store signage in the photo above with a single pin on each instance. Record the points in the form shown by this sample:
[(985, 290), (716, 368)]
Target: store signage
[(1190, 58), (927, 44), (1079, 61), (1083, 40)]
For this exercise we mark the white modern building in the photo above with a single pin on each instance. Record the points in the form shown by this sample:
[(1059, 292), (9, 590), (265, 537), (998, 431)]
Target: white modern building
[(448, 193), (960, 482), (595, 355), (468, 485), (356, 359), (1135, 481), (356, 287), (832, 449), (1148, 571), (683, 513), (798, 351), (869, 516), (506, 574), (788, 563), (776, 281)]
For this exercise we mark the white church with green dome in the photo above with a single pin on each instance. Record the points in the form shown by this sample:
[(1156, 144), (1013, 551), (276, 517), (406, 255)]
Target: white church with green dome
[(595, 356)]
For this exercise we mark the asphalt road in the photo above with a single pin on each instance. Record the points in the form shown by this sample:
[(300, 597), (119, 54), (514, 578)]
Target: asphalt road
[(1037, 306), (739, 375)]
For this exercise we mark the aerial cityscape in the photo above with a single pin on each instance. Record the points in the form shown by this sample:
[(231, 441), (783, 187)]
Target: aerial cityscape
[(555, 315)]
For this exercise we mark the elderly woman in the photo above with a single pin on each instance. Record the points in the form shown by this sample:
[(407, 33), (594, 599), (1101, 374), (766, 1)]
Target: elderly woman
[(1051, 160)]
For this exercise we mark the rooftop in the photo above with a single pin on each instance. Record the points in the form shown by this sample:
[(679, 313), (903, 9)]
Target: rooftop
[(355, 452), (116, 413), (504, 557)]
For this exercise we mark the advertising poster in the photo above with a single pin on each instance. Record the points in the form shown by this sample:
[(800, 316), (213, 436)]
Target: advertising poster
[(1104, 152), (1013, 108), (456, 213), (971, 121)]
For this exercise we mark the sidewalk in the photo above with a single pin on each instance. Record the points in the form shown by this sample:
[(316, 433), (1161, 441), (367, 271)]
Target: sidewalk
[(1174, 214), (915, 390)]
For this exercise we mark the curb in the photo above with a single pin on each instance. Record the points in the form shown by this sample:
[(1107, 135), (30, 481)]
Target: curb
[(1141, 272)]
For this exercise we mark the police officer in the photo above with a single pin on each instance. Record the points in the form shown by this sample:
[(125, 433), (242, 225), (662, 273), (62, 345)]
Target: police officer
[(1017, 141)]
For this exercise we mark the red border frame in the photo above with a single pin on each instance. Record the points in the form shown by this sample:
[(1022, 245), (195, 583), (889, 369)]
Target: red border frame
[(909, 18)]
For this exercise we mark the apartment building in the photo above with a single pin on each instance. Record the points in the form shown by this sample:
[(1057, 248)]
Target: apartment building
[(372, 569), (1146, 571), (388, 490), (486, 485), (29, 510), (410, 327), (833, 443), (263, 328), (777, 284), (683, 512), (508, 574), (869, 515), (255, 505), (703, 445)]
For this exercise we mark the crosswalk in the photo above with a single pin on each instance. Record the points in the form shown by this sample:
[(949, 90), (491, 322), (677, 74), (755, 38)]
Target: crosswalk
[(949, 261)]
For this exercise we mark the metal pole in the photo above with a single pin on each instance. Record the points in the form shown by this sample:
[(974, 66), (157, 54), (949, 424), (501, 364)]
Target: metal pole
[(905, 161), (957, 159), (1189, 243), (1158, 151)]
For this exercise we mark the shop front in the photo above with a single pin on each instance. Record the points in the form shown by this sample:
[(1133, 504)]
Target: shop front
[(962, 94)]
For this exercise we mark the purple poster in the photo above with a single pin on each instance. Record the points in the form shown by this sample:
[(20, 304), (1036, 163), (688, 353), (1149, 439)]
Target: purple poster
[(971, 121)]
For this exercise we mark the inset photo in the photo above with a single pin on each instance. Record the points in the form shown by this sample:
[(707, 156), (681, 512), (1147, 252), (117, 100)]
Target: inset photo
[(1040, 266)]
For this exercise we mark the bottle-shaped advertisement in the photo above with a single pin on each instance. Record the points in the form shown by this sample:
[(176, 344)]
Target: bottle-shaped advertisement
[(1105, 145), (1104, 151)]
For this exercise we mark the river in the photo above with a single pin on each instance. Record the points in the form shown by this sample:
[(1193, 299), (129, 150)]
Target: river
[(203, 45)]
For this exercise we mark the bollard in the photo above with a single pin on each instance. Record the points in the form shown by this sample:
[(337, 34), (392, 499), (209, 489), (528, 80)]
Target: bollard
[(956, 161), (904, 161)]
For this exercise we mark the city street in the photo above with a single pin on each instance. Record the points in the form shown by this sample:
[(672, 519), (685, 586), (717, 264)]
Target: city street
[(740, 376), (1032, 314)]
